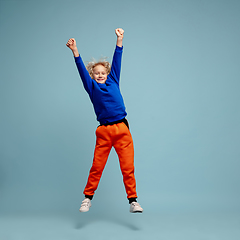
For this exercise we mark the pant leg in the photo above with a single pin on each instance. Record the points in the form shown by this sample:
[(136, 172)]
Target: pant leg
[(101, 153), (123, 144)]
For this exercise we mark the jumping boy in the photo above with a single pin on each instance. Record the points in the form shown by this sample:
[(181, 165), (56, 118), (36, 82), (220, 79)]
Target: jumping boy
[(101, 81)]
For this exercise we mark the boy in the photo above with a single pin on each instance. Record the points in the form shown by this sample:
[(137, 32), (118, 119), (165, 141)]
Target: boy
[(101, 81)]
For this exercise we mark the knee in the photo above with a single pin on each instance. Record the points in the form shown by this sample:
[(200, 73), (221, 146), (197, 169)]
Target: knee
[(127, 171)]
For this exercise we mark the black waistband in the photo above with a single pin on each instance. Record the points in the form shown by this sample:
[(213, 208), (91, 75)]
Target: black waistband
[(124, 120)]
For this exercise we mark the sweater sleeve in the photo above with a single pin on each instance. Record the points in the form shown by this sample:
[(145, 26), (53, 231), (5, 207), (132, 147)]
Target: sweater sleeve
[(86, 79), (116, 64)]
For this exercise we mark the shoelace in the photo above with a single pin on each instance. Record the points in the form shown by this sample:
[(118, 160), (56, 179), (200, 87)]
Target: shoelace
[(85, 203), (135, 204)]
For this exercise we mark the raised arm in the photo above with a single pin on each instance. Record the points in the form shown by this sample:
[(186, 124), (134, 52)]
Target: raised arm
[(119, 32), (84, 74), (117, 57)]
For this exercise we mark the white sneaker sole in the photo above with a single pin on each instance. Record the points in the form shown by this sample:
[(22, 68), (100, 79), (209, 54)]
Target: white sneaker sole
[(84, 210), (138, 211)]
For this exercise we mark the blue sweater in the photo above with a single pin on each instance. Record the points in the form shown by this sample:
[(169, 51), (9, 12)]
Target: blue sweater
[(106, 97)]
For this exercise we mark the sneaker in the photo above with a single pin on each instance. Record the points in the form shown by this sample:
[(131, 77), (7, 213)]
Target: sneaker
[(135, 208), (86, 204)]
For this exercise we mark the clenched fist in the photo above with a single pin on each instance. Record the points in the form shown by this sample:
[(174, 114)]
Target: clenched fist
[(119, 32), (72, 44)]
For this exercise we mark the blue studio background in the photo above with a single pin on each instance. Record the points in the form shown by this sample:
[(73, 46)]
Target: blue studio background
[(180, 81)]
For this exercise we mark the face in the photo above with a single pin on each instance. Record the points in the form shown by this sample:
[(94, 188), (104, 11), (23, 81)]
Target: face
[(100, 74)]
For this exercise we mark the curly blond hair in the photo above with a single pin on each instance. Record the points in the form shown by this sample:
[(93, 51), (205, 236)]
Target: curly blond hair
[(91, 65)]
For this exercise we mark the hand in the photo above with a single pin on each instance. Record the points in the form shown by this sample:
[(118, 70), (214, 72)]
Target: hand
[(119, 32), (72, 44)]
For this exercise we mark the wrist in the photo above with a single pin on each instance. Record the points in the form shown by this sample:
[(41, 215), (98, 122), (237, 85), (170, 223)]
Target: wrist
[(119, 42), (75, 52), (74, 49)]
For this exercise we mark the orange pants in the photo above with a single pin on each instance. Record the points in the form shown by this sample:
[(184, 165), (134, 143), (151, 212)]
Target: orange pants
[(119, 137)]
